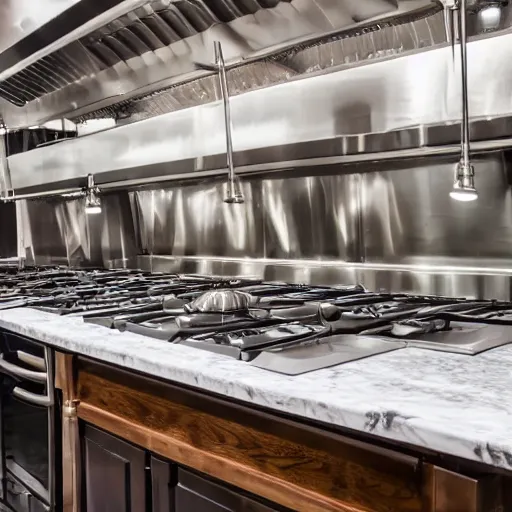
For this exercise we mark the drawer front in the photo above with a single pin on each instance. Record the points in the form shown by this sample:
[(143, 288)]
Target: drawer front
[(196, 493), (175, 489)]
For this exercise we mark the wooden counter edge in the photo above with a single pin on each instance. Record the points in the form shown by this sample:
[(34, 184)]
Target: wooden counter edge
[(65, 380)]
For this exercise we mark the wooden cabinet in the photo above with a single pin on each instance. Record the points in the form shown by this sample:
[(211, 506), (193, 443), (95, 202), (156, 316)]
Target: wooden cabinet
[(116, 479), (175, 489), (231, 457), (114, 473)]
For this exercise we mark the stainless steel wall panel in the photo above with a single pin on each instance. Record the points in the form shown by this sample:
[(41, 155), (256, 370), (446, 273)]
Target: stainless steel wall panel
[(195, 220), (56, 231), (307, 217), (409, 217), (311, 217), (394, 278)]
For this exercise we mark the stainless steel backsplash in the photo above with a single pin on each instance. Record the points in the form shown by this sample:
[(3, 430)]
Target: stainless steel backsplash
[(399, 214), (59, 232), (395, 228)]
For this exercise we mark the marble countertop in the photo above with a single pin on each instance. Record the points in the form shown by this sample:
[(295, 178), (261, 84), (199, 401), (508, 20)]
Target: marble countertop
[(455, 404)]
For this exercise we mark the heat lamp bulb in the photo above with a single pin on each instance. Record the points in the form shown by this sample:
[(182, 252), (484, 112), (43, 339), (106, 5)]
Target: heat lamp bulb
[(464, 196), (92, 210), (490, 17)]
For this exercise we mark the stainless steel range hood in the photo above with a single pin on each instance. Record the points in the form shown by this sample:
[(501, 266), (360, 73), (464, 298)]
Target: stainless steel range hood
[(402, 106), (351, 80), (134, 47)]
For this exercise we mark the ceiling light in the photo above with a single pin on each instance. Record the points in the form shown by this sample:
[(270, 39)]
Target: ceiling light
[(92, 198)]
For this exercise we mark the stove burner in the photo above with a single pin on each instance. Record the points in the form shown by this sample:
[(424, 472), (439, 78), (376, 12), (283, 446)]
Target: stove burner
[(245, 317)]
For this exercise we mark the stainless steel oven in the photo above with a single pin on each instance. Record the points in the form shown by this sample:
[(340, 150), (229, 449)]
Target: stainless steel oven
[(30, 452)]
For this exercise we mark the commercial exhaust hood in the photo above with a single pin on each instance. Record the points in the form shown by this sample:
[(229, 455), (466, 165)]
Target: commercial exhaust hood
[(137, 47), (314, 82), (402, 106)]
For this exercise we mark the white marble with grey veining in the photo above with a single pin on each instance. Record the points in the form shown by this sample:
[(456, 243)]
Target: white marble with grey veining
[(455, 404)]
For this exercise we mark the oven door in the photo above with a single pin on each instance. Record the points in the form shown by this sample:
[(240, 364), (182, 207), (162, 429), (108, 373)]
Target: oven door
[(27, 416)]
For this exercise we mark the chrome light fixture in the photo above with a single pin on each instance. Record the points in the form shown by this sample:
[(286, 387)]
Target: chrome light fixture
[(489, 13), (464, 181), (92, 198)]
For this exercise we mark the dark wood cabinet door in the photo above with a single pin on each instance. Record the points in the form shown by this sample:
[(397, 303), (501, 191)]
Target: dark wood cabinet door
[(114, 474), (175, 489)]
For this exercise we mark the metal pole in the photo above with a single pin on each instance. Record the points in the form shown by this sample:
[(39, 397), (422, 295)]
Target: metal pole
[(40, 195), (464, 72), (234, 194)]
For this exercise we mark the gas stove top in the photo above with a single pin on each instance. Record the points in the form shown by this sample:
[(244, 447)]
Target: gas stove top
[(283, 327)]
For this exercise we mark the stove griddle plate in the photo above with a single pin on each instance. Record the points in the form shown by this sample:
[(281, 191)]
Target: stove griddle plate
[(296, 359), (464, 338)]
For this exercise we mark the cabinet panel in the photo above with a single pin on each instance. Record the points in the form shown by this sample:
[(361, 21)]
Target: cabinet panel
[(178, 490), (114, 473)]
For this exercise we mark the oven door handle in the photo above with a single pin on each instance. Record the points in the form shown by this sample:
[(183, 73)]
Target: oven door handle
[(36, 362), (22, 372), (32, 398)]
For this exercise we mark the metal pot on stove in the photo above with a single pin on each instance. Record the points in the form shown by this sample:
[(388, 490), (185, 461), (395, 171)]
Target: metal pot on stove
[(220, 301)]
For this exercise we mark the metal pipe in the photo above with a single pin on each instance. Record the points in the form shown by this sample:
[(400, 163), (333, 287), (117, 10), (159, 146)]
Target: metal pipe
[(464, 79), (40, 195), (449, 22), (234, 193)]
